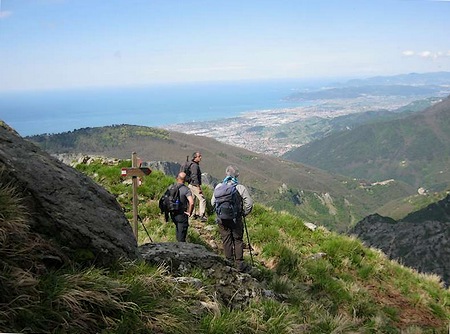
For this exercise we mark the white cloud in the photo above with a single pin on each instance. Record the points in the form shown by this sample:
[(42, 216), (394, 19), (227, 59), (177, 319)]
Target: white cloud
[(4, 14), (427, 54), (213, 69)]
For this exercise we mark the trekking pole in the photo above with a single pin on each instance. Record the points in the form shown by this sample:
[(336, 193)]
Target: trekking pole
[(234, 247), (248, 239), (140, 219)]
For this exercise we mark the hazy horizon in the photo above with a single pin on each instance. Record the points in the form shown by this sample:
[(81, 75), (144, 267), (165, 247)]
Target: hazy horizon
[(64, 44), (39, 112)]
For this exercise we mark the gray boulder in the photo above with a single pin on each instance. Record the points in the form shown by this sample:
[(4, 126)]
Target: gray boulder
[(65, 205), (231, 287), (181, 257)]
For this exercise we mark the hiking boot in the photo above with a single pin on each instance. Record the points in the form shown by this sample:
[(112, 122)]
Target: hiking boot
[(243, 267), (203, 219)]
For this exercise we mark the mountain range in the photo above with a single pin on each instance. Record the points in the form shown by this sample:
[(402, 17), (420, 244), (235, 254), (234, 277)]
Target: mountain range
[(317, 196), (316, 112), (310, 269), (354, 92), (414, 149), (363, 162), (416, 84), (413, 79)]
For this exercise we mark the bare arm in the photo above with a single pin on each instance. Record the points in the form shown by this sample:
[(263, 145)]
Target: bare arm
[(190, 205)]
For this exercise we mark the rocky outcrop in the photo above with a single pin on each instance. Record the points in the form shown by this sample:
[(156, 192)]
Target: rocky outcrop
[(421, 240), (73, 159), (166, 167), (65, 205), (231, 287)]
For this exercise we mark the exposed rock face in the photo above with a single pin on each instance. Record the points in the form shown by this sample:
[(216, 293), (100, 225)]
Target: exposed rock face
[(180, 256), (421, 240), (65, 205), (232, 288), (167, 167)]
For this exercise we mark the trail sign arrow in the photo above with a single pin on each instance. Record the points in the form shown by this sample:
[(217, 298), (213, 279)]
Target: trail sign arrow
[(135, 171)]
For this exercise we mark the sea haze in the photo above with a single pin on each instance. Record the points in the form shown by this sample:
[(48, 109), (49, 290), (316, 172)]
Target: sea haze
[(40, 112)]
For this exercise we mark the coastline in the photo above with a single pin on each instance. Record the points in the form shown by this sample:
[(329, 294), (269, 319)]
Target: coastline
[(277, 131), (59, 111)]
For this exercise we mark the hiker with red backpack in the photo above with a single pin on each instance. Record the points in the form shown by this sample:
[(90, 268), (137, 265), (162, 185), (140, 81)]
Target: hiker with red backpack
[(232, 202)]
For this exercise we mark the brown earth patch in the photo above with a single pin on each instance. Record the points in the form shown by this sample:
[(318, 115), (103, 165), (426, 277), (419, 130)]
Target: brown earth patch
[(408, 313)]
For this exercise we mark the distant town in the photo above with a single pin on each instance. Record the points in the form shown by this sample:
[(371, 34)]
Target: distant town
[(277, 131)]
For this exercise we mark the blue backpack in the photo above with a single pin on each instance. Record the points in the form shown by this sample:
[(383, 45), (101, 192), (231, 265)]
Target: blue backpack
[(228, 204)]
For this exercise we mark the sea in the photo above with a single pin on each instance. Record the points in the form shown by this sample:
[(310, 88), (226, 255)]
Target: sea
[(57, 111)]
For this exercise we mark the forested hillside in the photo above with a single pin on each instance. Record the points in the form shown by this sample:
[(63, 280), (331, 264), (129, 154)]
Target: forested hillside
[(328, 199), (415, 150)]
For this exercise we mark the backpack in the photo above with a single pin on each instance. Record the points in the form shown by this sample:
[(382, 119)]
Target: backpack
[(228, 204), (170, 202), (186, 168)]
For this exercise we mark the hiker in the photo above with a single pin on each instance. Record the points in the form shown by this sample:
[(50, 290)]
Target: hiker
[(232, 229), (195, 185), (180, 218)]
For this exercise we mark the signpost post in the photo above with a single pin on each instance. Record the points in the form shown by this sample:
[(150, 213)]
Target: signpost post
[(135, 171)]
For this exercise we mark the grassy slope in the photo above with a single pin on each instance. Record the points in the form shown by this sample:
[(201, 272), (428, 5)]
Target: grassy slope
[(398, 209), (158, 145), (415, 150), (332, 283), (264, 175)]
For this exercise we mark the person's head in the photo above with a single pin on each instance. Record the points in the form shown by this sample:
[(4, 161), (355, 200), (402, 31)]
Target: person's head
[(181, 177), (232, 171), (196, 156)]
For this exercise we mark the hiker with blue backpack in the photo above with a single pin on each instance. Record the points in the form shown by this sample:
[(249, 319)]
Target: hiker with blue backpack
[(232, 202)]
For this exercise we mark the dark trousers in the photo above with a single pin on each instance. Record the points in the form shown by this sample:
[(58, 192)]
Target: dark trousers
[(232, 234), (181, 226)]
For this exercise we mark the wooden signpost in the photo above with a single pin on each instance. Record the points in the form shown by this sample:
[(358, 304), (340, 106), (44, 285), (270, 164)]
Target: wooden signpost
[(136, 171)]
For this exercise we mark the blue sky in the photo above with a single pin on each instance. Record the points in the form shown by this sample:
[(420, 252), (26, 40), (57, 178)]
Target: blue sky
[(46, 44)]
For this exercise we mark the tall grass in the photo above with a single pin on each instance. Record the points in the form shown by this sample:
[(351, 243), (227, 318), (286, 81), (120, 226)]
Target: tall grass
[(320, 282)]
